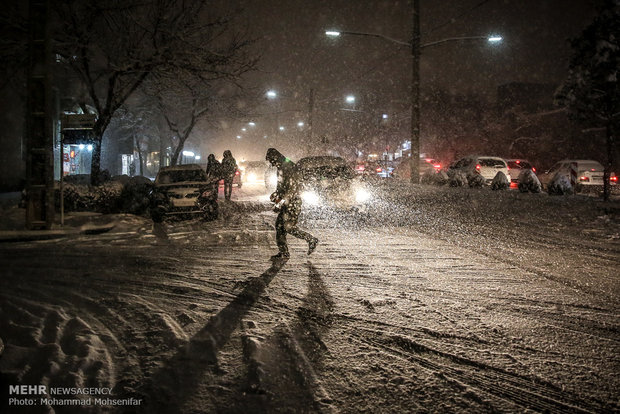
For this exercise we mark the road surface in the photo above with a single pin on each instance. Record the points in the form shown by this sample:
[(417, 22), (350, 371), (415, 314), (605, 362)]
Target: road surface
[(419, 309)]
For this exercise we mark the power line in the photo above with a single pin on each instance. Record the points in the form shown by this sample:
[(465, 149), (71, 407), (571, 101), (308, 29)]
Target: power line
[(464, 13)]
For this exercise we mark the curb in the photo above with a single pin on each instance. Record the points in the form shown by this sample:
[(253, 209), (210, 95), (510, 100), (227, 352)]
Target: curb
[(12, 236)]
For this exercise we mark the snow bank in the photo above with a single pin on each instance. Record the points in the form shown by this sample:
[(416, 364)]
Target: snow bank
[(435, 178), (457, 179), (500, 182), (528, 181), (475, 180), (560, 185), (119, 195)]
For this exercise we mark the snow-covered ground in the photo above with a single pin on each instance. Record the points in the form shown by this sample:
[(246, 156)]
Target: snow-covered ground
[(443, 300)]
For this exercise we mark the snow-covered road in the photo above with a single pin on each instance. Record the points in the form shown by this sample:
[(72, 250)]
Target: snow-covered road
[(430, 306)]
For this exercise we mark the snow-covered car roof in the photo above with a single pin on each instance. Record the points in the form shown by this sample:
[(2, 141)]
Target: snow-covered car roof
[(325, 167), (584, 163), (321, 161)]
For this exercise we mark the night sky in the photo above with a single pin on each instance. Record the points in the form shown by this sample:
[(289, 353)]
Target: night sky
[(535, 48), (298, 57)]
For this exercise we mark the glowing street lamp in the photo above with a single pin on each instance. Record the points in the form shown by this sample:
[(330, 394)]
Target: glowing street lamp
[(415, 48), (272, 94)]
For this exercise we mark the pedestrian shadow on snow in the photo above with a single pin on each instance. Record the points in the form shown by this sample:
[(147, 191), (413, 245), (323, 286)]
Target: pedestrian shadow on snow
[(283, 369), (176, 381)]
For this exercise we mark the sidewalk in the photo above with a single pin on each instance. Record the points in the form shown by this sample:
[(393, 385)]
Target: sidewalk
[(13, 223)]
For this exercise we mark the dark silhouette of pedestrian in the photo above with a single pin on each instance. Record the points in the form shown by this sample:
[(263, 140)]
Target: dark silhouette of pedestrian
[(214, 171), (229, 168), (288, 204)]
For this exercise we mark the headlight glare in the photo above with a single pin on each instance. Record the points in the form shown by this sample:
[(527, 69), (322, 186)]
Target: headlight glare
[(310, 198), (362, 195)]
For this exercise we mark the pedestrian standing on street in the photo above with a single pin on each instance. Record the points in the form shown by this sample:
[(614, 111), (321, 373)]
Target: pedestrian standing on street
[(288, 204), (214, 171), (229, 168)]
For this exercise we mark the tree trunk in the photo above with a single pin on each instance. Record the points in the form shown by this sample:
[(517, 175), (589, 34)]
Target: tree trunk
[(95, 166)]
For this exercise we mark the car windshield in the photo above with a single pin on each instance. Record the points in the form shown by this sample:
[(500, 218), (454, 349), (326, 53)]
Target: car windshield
[(491, 162), (325, 167), (519, 164), (255, 164), (177, 176), (590, 166)]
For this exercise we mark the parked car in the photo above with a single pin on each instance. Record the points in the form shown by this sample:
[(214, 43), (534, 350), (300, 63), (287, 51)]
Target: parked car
[(589, 174), (403, 169), (183, 191), (485, 166), (330, 183), (253, 172), (516, 166)]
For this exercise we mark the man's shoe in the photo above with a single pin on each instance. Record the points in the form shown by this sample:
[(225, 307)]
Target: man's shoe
[(312, 245), (281, 256)]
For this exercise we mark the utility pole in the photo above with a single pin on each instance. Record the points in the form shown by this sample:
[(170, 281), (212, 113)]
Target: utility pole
[(39, 122), (310, 144), (415, 95)]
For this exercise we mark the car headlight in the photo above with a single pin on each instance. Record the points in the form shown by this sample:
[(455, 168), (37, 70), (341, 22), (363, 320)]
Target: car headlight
[(362, 195), (310, 198), (273, 180), (251, 178)]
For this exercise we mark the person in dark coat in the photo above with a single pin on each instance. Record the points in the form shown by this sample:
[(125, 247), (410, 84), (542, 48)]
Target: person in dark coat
[(288, 202), (214, 171), (229, 168)]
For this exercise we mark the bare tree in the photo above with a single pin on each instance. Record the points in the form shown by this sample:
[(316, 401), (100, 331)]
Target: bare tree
[(114, 46)]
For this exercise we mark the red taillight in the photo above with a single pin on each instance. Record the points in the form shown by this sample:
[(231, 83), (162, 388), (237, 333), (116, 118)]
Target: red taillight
[(477, 167), (613, 178), (237, 172), (582, 178), (437, 166), (360, 168), (507, 167), (379, 169), (533, 169)]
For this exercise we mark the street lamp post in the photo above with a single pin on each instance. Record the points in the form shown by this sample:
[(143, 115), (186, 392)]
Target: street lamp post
[(414, 160), (415, 77)]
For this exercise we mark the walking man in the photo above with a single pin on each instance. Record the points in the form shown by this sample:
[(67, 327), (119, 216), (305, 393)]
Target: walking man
[(229, 168), (288, 200)]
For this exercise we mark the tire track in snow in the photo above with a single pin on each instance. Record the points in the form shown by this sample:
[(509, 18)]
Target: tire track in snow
[(527, 392)]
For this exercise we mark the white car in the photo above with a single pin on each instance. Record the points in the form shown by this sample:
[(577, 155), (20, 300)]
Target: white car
[(589, 174), (485, 166), (517, 166)]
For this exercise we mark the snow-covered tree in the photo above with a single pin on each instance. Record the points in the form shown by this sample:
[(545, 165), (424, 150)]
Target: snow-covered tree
[(590, 92), (114, 46)]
